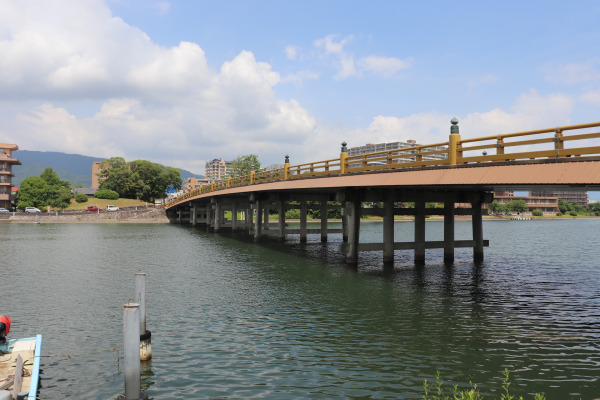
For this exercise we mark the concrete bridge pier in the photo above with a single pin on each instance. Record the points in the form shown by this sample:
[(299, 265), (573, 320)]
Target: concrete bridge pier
[(419, 229), (234, 216), (324, 212), (477, 222), (449, 230), (303, 217), (388, 231), (217, 215), (281, 228), (258, 221), (354, 208)]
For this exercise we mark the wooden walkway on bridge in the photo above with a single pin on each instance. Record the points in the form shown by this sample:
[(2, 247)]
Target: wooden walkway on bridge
[(465, 173)]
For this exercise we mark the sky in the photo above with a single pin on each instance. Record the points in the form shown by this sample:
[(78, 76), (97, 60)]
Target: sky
[(185, 81)]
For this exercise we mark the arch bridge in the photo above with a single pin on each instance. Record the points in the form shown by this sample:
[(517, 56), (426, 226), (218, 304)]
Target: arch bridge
[(460, 173)]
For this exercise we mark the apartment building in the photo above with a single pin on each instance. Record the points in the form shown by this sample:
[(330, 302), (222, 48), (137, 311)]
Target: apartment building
[(217, 169), (580, 197), (545, 204), (194, 183), (372, 148), (6, 162)]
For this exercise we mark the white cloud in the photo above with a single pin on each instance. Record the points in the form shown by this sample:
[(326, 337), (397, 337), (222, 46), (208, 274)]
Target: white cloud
[(327, 43), (384, 66), (162, 7), (158, 103), (575, 72), (291, 52), (591, 97), (300, 77), (346, 66)]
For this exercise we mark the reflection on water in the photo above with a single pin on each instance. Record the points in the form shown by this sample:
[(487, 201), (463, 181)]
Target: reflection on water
[(232, 319)]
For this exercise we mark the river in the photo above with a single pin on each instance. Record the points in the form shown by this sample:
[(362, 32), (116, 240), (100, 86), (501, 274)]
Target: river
[(231, 319)]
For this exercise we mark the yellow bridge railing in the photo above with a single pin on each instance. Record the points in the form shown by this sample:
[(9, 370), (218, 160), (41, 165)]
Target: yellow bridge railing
[(528, 145)]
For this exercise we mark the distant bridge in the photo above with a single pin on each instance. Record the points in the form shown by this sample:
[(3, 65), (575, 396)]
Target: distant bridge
[(546, 159)]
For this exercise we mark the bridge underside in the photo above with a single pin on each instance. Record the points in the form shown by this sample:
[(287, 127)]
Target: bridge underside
[(469, 186)]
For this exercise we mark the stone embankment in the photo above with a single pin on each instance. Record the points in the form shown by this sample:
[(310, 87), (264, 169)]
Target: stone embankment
[(142, 215)]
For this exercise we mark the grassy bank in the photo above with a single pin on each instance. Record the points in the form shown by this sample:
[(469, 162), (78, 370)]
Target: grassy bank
[(102, 203)]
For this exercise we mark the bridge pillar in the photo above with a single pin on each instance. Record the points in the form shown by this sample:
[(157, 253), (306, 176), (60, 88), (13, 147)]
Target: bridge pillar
[(353, 230), (303, 221), (266, 216), (477, 222), (193, 216), (324, 220), (258, 221), (179, 217), (388, 231), (210, 212), (234, 216), (217, 220), (419, 229), (344, 222), (281, 227), (249, 219), (449, 230)]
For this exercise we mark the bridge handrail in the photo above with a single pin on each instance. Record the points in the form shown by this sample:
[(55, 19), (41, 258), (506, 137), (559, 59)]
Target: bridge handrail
[(411, 157)]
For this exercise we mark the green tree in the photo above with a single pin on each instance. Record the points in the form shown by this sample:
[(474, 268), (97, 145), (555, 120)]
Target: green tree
[(494, 207), (140, 179), (243, 164), (45, 190), (517, 206), (32, 193), (563, 206)]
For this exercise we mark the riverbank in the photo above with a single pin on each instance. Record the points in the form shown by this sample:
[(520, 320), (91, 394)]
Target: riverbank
[(135, 215)]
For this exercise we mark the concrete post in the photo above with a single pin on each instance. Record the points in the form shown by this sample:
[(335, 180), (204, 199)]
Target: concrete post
[(266, 216), (131, 346), (388, 231), (281, 234), (234, 216), (217, 215), (194, 215), (344, 222), (449, 230), (324, 211), (353, 231), (477, 222), (303, 221), (258, 221), (420, 229)]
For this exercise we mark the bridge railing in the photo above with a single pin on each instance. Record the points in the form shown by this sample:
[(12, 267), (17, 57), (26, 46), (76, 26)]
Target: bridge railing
[(527, 145)]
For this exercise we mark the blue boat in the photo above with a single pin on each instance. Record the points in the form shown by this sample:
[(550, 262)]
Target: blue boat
[(29, 351)]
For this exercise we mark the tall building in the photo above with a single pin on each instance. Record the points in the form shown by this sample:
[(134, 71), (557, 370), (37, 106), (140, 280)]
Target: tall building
[(217, 169), (580, 197), (6, 174), (194, 183), (372, 148)]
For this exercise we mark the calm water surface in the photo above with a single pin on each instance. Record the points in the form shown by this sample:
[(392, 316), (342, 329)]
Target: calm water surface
[(235, 320)]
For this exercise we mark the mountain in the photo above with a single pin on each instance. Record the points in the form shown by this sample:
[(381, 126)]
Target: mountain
[(73, 168)]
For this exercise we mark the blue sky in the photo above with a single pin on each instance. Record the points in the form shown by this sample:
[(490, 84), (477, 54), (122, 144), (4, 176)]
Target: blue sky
[(182, 82)]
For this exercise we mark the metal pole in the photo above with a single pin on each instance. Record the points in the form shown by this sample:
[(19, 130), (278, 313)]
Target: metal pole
[(140, 297), (131, 344)]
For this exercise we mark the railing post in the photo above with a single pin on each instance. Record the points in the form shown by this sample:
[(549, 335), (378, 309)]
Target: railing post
[(343, 158), (453, 142), (229, 179), (558, 142), (252, 173), (286, 168), (500, 146)]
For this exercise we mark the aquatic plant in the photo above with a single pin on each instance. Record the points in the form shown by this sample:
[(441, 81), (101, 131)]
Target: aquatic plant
[(437, 391)]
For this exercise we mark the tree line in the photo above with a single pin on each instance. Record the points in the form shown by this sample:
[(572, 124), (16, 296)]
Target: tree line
[(140, 179)]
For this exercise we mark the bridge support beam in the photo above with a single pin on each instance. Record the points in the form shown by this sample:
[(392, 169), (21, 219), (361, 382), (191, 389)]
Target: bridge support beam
[(420, 229), (449, 230), (324, 220), (258, 221), (477, 229), (303, 221), (281, 232), (234, 219), (217, 216), (353, 230), (388, 231)]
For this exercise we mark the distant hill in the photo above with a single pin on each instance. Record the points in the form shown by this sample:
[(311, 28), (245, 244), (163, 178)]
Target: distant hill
[(73, 168)]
